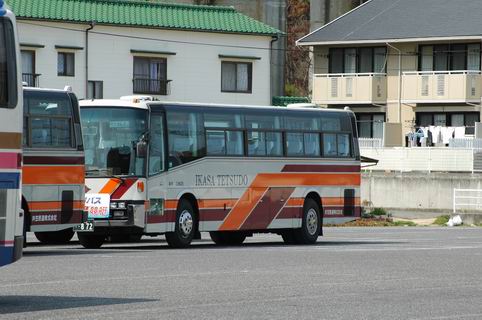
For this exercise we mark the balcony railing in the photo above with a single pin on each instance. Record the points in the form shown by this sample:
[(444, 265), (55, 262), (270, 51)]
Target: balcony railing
[(152, 86), (354, 88), (441, 86), (31, 79)]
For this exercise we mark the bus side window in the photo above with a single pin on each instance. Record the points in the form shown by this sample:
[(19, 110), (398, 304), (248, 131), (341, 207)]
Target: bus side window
[(329, 145), (8, 66), (185, 137), (156, 145)]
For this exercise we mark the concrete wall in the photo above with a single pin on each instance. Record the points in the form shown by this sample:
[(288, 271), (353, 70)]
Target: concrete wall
[(415, 193), (195, 69)]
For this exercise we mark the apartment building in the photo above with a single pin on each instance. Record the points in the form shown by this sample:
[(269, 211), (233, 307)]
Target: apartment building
[(411, 62), (175, 52)]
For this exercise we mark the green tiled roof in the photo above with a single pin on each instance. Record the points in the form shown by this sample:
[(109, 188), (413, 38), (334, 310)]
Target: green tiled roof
[(142, 14)]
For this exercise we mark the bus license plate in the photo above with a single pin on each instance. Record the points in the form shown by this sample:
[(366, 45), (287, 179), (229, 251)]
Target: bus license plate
[(87, 226)]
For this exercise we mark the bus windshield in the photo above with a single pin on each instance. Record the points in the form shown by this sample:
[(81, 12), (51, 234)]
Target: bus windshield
[(110, 138)]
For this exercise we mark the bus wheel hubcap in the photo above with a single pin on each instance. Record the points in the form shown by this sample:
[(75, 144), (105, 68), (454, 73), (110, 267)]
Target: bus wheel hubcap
[(312, 221), (185, 222)]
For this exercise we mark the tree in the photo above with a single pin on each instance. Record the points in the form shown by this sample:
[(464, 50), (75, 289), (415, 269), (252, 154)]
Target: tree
[(297, 58)]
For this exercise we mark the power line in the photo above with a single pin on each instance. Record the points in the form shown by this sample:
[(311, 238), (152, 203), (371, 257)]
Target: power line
[(164, 40)]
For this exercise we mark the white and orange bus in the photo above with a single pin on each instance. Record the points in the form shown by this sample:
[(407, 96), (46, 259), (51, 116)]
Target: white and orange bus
[(53, 164), (11, 216), (175, 169)]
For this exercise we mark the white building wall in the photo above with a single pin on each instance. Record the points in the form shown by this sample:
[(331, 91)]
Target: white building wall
[(195, 69)]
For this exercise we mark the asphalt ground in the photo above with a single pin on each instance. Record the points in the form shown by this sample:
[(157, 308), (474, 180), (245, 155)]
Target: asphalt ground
[(352, 273)]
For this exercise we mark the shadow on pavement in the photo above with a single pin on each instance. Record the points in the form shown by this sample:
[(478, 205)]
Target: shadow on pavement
[(206, 244), (17, 304), (70, 252)]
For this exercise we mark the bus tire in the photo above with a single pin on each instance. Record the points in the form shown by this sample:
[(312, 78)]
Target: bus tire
[(227, 238), (91, 241), (311, 223), (184, 229), (55, 237)]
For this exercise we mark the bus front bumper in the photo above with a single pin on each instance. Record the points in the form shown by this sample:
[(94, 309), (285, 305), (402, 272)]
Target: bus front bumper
[(17, 248)]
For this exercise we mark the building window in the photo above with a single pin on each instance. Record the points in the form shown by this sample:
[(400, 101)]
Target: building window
[(66, 64), (28, 68), (150, 76), (95, 90), (236, 76), (358, 60), (449, 119), (445, 57), (370, 125)]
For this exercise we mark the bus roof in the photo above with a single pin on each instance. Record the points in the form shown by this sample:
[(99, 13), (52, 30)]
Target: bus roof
[(146, 104), (43, 89), (112, 103)]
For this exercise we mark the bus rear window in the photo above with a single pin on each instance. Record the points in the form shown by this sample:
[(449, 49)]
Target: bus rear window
[(8, 76), (48, 119)]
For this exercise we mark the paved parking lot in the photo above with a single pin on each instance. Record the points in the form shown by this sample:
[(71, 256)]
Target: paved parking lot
[(352, 273)]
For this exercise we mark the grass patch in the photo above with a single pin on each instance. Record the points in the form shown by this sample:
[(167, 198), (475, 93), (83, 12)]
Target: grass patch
[(442, 220), (374, 223), (404, 224)]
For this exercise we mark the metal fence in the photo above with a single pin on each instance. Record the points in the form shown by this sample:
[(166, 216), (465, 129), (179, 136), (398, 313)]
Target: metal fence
[(467, 200), (421, 159), (466, 143), (370, 143)]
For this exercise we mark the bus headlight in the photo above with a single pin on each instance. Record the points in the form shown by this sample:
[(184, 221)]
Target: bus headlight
[(113, 205), (121, 205)]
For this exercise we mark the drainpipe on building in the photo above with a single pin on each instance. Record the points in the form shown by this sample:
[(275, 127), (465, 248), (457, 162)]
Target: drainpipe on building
[(91, 26), (399, 82), (273, 40)]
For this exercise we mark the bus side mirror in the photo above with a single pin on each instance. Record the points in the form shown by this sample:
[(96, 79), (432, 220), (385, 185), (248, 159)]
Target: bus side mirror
[(141, 149)]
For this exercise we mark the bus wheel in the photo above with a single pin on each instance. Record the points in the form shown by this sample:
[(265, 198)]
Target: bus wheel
[(55, 237), (91, 241), (184, 229), (227, 238), (311, 223)]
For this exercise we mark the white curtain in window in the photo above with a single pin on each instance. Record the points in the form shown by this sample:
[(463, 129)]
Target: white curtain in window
[(427, 58), (61, 63), (457, 120), (141, 68), (27, 62), (228, 77), (242, 77), (379, 60), (378, 120), (350, 60), (473, 57)]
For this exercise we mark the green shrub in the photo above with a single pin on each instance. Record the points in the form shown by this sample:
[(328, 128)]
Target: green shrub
[(379, 212), (442, 220)]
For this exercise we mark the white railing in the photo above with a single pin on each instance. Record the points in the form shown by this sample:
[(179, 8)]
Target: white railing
[(421, 159), (370, 143), (467, 199), (348, 75), (454, 85), (423, 73), (465, 143)]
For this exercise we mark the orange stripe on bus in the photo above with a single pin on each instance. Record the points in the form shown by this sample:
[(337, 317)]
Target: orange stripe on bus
[(53, 205), (305, 179), (295, 202), (263, 181), (171, 204), (110, 186), (53, 175), (243, 208), (217, 203)]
